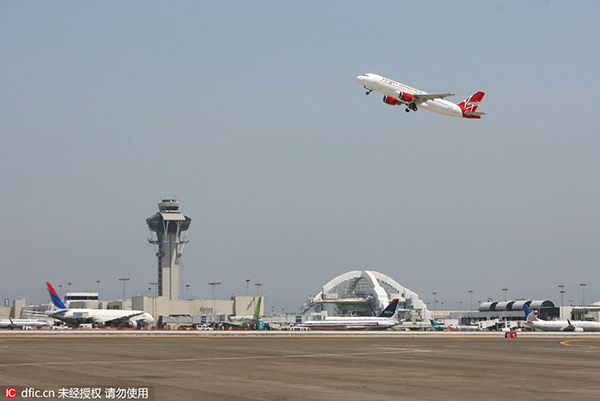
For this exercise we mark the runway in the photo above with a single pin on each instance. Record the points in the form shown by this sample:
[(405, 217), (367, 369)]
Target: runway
[(309, 366)]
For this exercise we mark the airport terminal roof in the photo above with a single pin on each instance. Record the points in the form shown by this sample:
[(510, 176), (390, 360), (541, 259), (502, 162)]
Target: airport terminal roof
[(513, 305), (367, 289)]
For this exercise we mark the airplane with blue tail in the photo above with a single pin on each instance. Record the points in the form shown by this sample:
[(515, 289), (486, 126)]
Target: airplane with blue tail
[(386, 320), (97, 317)]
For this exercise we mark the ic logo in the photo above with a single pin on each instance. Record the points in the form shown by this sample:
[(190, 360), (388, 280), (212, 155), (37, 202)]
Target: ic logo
[(10, 392)]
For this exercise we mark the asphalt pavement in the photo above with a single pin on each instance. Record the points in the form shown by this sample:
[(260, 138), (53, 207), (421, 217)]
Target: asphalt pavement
[(303, 366)]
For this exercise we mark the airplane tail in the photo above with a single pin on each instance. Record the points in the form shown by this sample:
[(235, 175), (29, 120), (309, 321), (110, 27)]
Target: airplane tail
[(257, 310), (529, 315), (435, 325), (55, 298), (390, 310), (470, 104)]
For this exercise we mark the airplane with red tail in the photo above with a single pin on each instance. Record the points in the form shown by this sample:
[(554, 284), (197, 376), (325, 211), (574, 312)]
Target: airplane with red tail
[(395, 93)]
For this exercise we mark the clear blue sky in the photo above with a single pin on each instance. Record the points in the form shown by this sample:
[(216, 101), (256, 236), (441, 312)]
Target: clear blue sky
[(249, 113)]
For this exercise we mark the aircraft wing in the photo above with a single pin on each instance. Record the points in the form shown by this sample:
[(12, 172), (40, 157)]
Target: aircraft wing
[(23, 323), (422, 98), (123, 320), (59, 314), (231, 324)]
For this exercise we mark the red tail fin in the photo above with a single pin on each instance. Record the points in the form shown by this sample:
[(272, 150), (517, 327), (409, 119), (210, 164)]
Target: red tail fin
[(472, 102)]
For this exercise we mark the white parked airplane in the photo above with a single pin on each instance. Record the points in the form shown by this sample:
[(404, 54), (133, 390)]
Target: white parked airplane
[(396, 93), (99, 317), (558, 325), (22, 323), (385, 320)]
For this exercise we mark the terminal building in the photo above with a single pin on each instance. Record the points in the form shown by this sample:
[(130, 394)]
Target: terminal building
[(366, 293)]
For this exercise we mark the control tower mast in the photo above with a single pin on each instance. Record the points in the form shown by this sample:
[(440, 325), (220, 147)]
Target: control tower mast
[(168, 224)]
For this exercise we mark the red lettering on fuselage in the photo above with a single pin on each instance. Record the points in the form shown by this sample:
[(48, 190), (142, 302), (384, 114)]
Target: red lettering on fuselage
[(404, 88)]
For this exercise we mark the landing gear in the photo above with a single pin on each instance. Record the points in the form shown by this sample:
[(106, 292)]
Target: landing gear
[(368, 90), (411, 106)]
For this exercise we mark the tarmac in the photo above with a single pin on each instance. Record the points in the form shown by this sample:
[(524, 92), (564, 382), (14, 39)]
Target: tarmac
[(299, 365)]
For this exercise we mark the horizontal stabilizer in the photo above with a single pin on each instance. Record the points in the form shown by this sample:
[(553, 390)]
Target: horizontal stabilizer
[(474, 113)]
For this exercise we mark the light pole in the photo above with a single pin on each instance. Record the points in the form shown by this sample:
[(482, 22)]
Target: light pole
[(124, 280), (434, 305), (154, 299), (98, 283), (247, 288), (471, 294), (257, 287), (562, 291), (505, 305), (187, 291), (214, 302), (583, 288)]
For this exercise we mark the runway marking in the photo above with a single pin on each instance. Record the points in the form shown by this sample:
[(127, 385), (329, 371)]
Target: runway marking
[(567, 343), (225, 358)]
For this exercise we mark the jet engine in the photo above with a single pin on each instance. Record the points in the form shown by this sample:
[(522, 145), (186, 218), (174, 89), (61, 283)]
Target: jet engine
[(136, 324), (390, 100), (405, 97)]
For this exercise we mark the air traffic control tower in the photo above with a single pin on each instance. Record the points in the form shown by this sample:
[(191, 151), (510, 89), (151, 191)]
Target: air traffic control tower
[(168, 224)]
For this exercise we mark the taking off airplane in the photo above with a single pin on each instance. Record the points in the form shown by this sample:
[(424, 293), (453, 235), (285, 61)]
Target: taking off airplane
[(396, 93)]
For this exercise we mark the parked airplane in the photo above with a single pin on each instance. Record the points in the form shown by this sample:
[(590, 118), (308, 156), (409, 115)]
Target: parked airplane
[(435, 326), (558, 325), (22, 323), (99, 317), (245, 321), (396, 93), (385, 320)]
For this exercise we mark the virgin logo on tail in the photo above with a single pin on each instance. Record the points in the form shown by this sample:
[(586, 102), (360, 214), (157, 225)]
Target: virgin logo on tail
[(472, 102), (471, 106)]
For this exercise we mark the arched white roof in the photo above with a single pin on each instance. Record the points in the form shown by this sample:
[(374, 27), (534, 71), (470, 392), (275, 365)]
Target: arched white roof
[(381, 287)]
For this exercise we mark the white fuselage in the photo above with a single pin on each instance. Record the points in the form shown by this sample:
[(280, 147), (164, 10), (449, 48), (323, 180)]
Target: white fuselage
[(100, 316), (563, 325), (392, 88), (21, 323), (345, 323)]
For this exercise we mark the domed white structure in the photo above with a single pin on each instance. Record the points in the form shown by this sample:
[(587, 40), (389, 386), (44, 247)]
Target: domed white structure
[(367, 293)]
